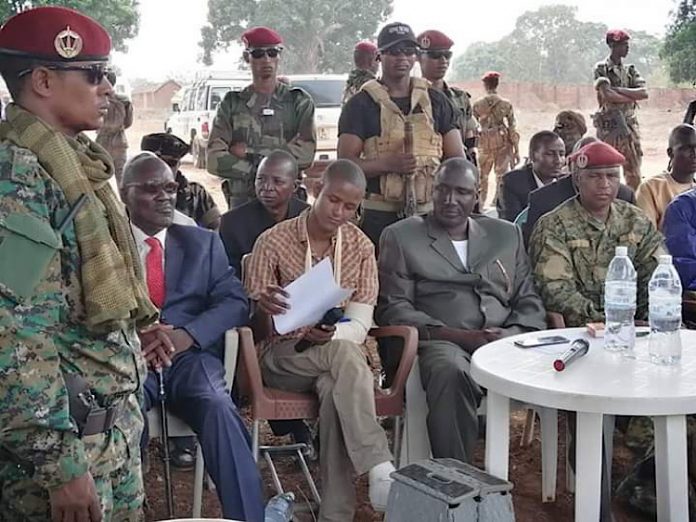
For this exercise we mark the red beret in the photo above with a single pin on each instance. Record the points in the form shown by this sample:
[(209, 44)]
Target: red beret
[(490, 75), (260, 37), (597, 156), (617, 36), (366, 45), (55, 34), (434, 40)]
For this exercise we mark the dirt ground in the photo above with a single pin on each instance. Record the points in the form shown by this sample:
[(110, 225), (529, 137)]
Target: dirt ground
[(525, 462)]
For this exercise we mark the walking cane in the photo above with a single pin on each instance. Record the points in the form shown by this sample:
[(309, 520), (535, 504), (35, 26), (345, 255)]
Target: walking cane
[(410, 204), (165, 445)]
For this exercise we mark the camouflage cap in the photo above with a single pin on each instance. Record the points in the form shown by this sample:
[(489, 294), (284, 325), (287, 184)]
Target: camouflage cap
[(54, 34), (165, 145)]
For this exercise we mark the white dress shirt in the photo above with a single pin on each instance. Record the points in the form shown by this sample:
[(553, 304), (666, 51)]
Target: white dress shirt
[(144, 248)]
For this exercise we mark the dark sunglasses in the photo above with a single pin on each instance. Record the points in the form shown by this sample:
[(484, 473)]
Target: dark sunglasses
[(404, 50), (170, 187), (271, 52), (95, 73), (436, 55)]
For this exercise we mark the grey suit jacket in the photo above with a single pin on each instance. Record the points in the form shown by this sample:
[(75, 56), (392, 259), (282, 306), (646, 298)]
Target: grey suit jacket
[(423, 282)]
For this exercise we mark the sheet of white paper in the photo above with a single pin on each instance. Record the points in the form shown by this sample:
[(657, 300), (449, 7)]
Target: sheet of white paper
[(311, 295)]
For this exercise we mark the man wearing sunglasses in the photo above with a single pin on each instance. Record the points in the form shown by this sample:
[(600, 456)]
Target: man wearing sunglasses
[(265, 116), (71, 288), (435, 57), (395, 175), (192, 199)]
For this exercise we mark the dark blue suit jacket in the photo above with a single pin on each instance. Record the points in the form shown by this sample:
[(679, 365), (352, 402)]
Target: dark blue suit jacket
[(203, 294)]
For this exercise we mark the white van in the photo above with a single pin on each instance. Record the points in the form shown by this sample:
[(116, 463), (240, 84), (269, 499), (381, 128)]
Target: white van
[(193, 116)]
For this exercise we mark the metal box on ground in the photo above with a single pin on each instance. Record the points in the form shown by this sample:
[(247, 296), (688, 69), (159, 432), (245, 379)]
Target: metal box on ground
[(447, 490)]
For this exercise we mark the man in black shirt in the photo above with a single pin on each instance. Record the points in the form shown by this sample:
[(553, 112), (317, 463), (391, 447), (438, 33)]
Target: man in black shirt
[(275, 184), (399, 181)]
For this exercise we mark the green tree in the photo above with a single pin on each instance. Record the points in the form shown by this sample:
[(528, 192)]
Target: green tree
[(319, 35), (679, 50), (120, 17), (551, 45)]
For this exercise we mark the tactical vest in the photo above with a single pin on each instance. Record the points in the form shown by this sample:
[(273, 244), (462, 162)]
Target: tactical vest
[(427, 142)]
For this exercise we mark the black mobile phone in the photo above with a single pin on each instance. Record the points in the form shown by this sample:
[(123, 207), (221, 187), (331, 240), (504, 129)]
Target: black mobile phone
[(535, 342)]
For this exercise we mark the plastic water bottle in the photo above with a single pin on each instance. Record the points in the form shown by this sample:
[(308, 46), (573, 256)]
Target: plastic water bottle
[(280, 508), (620, 304), (665, 294)]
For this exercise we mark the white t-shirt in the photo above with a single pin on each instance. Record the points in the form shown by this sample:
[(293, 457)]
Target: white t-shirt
[(461, 247)]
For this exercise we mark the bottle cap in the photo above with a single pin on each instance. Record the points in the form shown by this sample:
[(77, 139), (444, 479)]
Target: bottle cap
[(665, 259), (621, 251)]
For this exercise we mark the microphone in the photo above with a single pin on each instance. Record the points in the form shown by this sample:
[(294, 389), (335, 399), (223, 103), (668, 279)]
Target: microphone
[(578, 348), (333, 316)]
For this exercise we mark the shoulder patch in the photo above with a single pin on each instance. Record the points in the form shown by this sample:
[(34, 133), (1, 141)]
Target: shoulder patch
[(18, 164)]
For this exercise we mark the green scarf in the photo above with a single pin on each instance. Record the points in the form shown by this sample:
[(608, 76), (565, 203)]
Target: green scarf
[(113, 288)]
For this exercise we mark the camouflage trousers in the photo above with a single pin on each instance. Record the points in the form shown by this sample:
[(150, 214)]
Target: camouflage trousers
[(630, 147), (638, 487), (115, 466), (498, 159)]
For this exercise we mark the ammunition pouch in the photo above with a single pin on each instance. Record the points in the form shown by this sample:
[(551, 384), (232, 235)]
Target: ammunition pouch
[(393, 186), (88, 415)]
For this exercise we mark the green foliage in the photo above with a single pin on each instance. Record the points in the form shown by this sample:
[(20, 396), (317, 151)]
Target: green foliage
[(319, 35), (120, 17), (551, 45), (679, 50)]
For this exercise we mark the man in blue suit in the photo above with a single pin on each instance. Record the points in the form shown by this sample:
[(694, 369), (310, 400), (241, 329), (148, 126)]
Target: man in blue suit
[(199, 297)]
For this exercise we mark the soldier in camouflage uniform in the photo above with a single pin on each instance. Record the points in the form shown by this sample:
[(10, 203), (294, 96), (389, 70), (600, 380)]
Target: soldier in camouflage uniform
[(498, 137), (366, 67), (434, 61), (265, 116), (571, 127), (71, 289), (571, 247), (112, 135), (619, 89), (192, 199)]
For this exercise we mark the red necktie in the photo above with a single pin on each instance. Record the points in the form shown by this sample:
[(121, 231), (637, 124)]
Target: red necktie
[(154, 267)]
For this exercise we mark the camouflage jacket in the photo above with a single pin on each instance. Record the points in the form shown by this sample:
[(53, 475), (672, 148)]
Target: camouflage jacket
[(493, 112), (194, 201), (570, 251), (285, 121), (355, 81), (619, 76), (462, 102), (42, 338)]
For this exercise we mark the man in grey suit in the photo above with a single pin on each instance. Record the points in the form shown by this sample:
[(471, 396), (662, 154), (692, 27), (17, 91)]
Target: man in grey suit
[(463, 280)]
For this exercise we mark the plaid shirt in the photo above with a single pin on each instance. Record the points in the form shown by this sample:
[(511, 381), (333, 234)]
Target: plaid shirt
[(279, 258)]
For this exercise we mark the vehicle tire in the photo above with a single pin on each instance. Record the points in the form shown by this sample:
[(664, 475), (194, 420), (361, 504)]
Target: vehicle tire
[(198, 153)]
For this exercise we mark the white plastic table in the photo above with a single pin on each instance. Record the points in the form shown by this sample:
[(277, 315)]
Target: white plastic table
[(601, 383)]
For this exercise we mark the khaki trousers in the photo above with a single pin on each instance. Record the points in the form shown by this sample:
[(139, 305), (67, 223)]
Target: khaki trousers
[(350, 438), (497, 159)]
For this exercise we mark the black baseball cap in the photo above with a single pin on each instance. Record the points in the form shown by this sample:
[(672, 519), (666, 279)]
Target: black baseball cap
[(394, 33)]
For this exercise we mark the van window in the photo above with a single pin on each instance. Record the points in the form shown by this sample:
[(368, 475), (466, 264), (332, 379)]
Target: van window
[(192, 100), (201, 98), (325, 93), (216, 96)]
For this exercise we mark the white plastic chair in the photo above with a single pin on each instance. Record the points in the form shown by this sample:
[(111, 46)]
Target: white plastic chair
[(416, 443), (178, 428)]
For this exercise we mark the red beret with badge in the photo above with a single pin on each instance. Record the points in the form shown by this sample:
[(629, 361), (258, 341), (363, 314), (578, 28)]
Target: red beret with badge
[(598, 156), (366, 46), (54, 34), (617, 36), (258, 37), (491, 75), (434, 41)]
